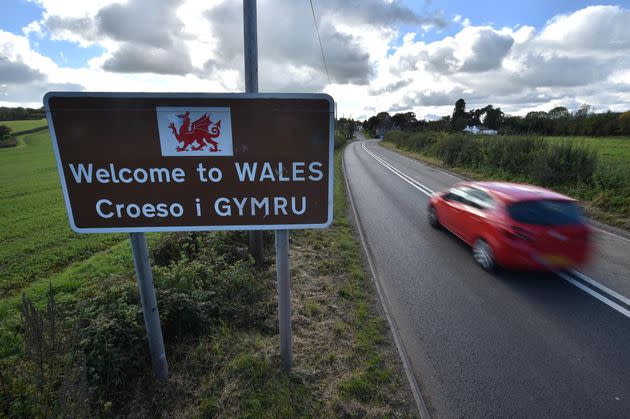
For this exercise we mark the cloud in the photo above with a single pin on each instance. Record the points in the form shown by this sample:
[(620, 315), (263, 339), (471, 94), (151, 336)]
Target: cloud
[(487, 50), (292, 40), (81, 30), (594, 28), (197, 45), (134, 58), (473, 49), (33, 93), (541, 71), (147, 22), (17, 72)]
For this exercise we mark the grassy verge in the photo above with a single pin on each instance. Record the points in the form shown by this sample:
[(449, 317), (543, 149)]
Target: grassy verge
[(23, 125), (36, 239), (219, 317), (583, 171)]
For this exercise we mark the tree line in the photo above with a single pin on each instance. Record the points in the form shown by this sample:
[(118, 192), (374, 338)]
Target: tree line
[(15, 114), (557, 121)]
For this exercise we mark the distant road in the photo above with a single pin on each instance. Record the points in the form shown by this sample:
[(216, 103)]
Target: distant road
[(482, 345)]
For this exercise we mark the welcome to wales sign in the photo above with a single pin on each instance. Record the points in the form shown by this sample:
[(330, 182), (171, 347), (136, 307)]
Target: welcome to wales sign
[(139, 162)]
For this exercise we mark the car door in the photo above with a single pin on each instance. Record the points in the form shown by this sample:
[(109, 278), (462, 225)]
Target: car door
[(473, 216), (453, 210)]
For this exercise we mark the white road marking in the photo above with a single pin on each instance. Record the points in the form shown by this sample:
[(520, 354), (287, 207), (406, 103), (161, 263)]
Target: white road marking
[(601, 287), (605, 290), (611, 234), (400, 174), (424, 165), (595, 294)]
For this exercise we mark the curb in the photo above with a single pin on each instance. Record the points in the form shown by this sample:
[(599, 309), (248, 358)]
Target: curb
[(411, 378)]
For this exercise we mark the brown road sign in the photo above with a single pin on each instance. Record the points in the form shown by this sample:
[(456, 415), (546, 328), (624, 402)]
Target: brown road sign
[(134, 162)]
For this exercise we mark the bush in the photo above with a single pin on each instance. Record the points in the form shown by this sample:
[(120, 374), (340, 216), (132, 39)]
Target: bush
[(5, 133), (528, 158), (340, 140), (201, 281), (50, 379)]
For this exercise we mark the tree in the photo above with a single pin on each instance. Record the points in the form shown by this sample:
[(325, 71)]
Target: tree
[(493, 117), (624, 123), (404, 121), (460, 117), (460, 108), (583, 111), (559, 112)]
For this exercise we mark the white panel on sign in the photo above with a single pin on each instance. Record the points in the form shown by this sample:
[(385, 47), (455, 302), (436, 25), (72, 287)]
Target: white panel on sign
[(192, 131)]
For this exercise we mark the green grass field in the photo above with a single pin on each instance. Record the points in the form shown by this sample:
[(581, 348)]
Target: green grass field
[(24, 125), (614, 150), (34, 231)]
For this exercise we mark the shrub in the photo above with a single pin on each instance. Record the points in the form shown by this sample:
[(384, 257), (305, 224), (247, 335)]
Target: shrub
[(340, 140), (50, 380), (201, 281), (5, 133)]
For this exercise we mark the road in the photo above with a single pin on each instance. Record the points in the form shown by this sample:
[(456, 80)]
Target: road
[(480, 344)]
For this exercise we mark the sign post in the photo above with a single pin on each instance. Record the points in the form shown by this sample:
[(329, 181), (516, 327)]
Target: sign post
[(250, 38), (144, 162), (284, 298), (144, 277)]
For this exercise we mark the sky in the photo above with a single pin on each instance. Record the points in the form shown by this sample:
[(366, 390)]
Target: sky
[(381, 55)]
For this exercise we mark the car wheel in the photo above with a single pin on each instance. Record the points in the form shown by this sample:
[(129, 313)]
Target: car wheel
[(433, 218), (482, 252)]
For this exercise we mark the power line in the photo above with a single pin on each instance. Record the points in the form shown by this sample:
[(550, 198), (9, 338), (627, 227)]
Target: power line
[(320, 41)]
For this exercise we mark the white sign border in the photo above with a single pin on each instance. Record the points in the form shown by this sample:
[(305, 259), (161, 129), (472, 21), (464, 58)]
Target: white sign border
[(231, 96)]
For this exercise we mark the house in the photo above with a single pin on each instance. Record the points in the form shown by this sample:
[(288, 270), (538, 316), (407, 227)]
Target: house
[(479, 130)]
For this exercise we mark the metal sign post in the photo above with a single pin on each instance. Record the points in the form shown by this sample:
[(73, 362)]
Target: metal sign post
[(250, 38), (284, 297), (144, 276)]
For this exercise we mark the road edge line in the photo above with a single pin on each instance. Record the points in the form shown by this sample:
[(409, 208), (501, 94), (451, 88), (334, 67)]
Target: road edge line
[(411, 378)]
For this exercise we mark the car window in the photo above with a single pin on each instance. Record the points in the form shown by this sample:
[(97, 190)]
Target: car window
[(474, 198), (457, 195), (479, 199), (546, 212)]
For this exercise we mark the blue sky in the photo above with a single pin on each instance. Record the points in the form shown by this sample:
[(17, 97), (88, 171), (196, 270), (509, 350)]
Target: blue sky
[(16, 14), (490, 54)]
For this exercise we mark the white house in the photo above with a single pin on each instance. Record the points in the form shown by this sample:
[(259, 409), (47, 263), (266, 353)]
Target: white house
[(479, 130)]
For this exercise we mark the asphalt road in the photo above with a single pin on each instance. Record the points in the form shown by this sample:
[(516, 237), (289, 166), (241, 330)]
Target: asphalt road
[(484, 345)]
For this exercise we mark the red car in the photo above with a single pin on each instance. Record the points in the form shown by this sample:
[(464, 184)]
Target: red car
[(514, 225)]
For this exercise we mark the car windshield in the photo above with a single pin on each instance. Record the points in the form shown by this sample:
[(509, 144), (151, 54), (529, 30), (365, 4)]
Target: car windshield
[(545, 212)]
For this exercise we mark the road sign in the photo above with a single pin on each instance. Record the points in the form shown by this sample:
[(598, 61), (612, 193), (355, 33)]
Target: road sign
[(139, 162)]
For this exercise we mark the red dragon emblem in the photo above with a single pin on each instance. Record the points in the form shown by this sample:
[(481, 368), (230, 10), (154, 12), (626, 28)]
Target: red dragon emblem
[(198, 131)]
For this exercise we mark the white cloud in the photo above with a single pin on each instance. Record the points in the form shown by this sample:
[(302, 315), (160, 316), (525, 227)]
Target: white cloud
[(33, 27)]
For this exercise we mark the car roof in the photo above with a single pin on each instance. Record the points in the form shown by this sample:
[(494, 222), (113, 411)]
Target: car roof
[(512, 192)]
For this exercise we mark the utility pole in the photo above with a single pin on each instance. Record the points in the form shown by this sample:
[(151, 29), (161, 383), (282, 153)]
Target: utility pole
[(250, 38)]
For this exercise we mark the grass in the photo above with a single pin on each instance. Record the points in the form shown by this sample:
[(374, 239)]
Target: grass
[(17, 126), (34, 230), (613, 150)]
